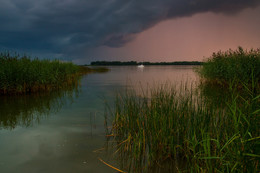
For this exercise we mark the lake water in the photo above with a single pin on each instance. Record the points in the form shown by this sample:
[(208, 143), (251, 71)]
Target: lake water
[(64, 131)]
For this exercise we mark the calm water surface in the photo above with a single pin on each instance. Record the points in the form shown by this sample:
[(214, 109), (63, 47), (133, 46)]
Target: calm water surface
[(63, 131)]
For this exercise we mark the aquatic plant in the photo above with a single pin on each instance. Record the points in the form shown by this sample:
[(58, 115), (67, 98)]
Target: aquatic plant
[(21, 74), (240, 65), (176, 126)]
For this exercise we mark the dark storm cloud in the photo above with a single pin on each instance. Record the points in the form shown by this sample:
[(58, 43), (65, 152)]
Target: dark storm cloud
[(66, 26)]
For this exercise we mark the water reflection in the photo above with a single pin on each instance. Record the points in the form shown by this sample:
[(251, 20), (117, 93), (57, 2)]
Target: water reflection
[(25, 110), (71, 140)]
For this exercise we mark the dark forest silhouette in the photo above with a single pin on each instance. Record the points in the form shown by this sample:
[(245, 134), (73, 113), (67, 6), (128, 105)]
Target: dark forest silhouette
[(119, 63)]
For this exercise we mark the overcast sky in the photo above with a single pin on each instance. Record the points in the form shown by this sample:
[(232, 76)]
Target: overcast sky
[(141, 30)]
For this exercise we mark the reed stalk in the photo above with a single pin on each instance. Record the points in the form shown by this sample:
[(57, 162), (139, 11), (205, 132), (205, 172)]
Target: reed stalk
[(178, 126)]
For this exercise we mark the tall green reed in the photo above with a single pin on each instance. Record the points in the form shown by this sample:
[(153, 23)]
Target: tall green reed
[(20, 74), (240, 65), (178, 126)]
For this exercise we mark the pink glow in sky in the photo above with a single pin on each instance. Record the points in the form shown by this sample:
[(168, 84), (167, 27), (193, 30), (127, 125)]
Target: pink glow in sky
[(189, 38)]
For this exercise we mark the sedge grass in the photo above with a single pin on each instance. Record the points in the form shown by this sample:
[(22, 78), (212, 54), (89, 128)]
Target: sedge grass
[(20, 74), (178, 126), (233, 65)]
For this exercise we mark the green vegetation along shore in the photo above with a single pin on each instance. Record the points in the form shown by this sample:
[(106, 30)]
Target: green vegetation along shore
[(240, 66), (21, 74), (180, 127)]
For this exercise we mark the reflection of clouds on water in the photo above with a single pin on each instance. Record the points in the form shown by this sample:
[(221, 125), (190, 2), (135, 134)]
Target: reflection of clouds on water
[(136, 78), (65, 141), (149, 74), (54, 149)]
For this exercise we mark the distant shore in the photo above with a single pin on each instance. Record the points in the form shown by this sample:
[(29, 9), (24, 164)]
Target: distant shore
[(133, 63)]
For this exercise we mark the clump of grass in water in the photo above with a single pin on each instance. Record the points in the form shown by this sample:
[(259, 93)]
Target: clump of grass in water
[(240, 65), (20, 74), (178, 126)]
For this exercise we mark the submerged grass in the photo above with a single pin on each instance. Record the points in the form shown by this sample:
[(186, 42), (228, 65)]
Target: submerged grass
[(20, 74), (178, 126)]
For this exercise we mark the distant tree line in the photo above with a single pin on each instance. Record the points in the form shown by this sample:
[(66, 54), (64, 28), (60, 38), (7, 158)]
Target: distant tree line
[(113, 63), (119, 63)]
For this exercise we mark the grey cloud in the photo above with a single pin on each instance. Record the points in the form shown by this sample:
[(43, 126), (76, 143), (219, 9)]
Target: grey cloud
[(73, 25), (118, 40)]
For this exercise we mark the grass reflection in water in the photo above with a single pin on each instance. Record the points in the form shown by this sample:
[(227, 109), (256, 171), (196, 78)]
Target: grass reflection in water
[(25, 110)]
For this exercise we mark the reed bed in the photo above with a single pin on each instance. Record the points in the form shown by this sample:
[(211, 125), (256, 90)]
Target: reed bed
[(233, 65), (194, 129), (177, 127), (21, 74)]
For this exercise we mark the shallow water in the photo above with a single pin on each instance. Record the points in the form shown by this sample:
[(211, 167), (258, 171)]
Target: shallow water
[(63, 131)]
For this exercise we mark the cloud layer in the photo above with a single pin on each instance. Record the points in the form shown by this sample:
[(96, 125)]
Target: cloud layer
[(71, 26)]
